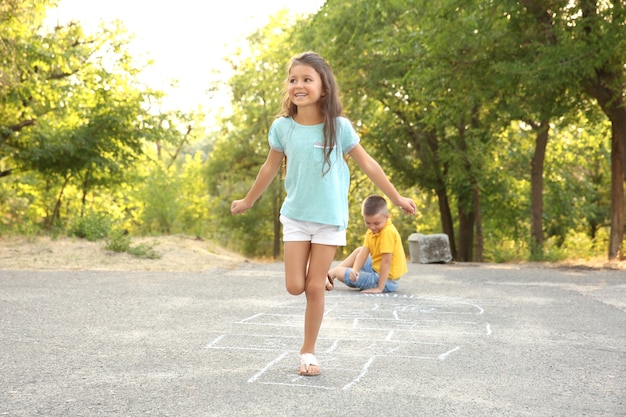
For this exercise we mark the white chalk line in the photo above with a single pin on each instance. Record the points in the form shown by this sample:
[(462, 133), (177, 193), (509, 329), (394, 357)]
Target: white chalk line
[(361, 375), (418, 326), (255, 349), (269, 365), (328, 310), (355, 354), (210, 344), (390, 351), (251, 318), (285, 384), (385, 295), (402, 321), (395, 311), (445, 355), (334, 344)]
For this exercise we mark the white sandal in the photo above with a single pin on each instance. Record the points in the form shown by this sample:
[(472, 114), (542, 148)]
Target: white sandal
[(306, 361)]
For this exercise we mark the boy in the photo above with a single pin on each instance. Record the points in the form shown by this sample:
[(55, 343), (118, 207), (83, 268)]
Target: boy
[(376, 266)]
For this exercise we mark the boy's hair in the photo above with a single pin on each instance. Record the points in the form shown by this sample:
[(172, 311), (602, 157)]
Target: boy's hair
[(329, 103), (373, 205)]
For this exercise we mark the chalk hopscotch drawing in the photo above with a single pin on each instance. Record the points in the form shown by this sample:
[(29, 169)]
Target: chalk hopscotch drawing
[(358, 332)]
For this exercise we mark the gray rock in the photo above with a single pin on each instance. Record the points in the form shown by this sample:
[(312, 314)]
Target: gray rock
[(428, 249)]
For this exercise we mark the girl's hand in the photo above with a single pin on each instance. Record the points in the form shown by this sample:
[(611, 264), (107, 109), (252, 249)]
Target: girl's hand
[(239, 206), (407, 205)]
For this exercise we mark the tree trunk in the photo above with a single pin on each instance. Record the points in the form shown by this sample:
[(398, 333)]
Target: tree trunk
[(616, 250), (607, 86), (467, 199), (480, 240), (428, 153), (536, 193), (85, 192), (614, 107), (466, 228), (56, 213), (446, 218)]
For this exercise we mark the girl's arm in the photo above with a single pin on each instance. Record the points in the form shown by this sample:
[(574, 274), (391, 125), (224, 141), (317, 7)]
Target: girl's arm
[(373, 170), (264, 178)]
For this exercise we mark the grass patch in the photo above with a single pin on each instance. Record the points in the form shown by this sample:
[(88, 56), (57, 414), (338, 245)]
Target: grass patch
[(120, 241)]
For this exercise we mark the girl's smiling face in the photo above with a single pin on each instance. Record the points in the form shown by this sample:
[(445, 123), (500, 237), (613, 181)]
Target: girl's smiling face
[(305, 86)]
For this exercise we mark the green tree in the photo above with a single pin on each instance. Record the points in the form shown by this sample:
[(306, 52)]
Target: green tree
[(256, 95), (448, 76), (73, 112), (172, 194), (422, 68), (586, 49)]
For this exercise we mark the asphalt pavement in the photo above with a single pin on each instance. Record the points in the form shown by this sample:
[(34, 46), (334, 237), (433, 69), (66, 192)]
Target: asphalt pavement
[(455, 340)]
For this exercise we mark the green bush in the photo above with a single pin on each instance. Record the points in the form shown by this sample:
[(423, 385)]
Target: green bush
[(93, 226), (144, 250), (120, 241)]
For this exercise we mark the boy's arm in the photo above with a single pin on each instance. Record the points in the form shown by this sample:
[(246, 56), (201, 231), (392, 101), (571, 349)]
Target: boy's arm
[(383, 274), (359, 261)]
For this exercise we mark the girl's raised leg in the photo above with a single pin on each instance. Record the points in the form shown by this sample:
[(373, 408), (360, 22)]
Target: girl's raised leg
[(297, 256)]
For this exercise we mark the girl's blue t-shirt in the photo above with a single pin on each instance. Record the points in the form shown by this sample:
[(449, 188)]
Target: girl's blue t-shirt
[(313, 196)]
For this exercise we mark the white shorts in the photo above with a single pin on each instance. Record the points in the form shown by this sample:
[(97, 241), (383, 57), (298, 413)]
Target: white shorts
[(323, 234)]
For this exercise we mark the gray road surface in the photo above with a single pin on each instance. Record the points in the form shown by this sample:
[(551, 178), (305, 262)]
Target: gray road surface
[(456, 340)]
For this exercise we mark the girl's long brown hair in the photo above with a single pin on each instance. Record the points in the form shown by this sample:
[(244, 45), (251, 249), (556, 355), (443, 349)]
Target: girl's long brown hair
[(329, 103)]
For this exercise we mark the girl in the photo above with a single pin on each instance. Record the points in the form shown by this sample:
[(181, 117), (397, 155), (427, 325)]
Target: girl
[(313, 137)]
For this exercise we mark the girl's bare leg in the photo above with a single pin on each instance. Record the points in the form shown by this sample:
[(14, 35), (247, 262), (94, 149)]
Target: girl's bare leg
[(312, 281), (297, 256), (321, 258)]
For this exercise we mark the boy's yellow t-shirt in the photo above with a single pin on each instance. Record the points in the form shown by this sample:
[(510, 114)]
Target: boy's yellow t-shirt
[(388, 240)]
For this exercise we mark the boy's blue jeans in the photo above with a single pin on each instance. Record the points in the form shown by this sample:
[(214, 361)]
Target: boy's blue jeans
[(368, 278)]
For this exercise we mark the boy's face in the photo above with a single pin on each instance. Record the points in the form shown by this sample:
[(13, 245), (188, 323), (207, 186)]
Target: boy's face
[(375, 222)]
